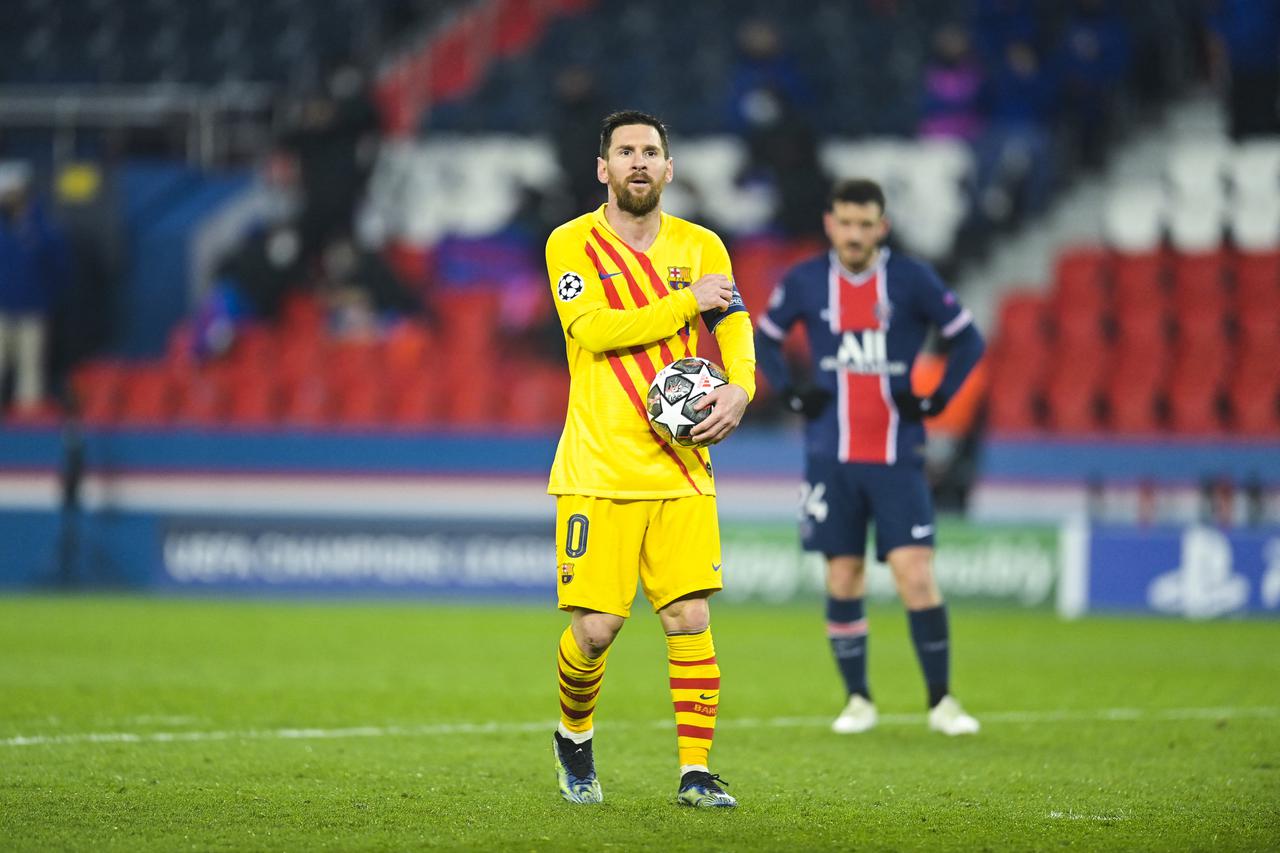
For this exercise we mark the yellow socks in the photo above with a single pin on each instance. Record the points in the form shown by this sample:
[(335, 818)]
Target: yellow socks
[(580, 678), (695, 693)]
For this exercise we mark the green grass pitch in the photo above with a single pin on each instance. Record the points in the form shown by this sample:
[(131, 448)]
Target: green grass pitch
[(154, 724)]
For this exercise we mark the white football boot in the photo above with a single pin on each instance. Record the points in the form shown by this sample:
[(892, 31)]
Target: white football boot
[(858, 716), (950, 719)]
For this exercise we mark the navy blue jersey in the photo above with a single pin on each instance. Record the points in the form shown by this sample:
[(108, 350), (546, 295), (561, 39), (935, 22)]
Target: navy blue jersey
[(865, 331)]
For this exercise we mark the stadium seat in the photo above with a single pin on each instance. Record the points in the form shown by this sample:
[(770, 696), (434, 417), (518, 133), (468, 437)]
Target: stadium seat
[(1080, 272), (149, 396), (98, 389), (204, 399), (1196, 224), (362, 404), (1134, 217), (1194, 407), (1254, 222), (308, 402), (253, 400), (1254, 403), (1202, 326), (1197, 279), (1137, 278), (417, 403), (1134, 386), (1012, 410), (1022, 320), (538, 398)]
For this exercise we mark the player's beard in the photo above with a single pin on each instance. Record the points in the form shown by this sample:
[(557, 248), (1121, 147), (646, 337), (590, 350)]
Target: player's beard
[(637, 204), (857, 258)]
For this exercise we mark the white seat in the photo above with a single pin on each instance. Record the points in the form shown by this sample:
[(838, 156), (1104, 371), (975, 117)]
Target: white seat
[(1196, 167), (1254, 168), (1255, 223), (1195, 227), (1134, 217)]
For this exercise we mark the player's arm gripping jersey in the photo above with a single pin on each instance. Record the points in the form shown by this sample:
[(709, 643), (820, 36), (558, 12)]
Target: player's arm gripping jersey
[(625, 314)]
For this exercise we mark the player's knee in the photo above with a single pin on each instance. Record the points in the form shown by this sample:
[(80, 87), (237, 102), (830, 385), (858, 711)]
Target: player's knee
[(596, 632), (686, 616)]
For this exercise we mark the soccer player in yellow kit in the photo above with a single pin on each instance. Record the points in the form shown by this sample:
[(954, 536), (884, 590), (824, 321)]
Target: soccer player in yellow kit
[(629, 283)]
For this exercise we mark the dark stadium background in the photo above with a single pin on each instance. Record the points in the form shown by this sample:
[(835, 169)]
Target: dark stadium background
[(299, 339)]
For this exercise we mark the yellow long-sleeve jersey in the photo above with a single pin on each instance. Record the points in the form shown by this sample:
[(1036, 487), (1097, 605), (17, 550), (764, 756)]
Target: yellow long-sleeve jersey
[(625, 315)]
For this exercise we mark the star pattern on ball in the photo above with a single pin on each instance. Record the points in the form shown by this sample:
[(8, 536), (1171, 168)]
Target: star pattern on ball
[(705, 381), (672, 415)]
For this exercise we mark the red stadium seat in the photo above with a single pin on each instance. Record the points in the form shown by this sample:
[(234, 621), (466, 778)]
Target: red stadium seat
[(538, 399), (253, 400), (1022, 321), (1081, 269), (362, 404), (1203, 325), (1193, 407), (1072, 406), (1012, 410), (204, 399), (1259, 270), (417, 402), (308, 402), (1134, 387), (1255, 406), (1137, 280), (97, 387), (149, 396), (1198, 280)]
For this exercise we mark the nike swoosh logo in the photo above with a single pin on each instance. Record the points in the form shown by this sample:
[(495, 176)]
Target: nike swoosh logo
[(605, 275), (920, 531), (715, 567), (707, 696)]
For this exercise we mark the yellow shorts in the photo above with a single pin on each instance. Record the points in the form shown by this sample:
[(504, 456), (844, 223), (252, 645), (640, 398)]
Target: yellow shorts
[(604, 546)]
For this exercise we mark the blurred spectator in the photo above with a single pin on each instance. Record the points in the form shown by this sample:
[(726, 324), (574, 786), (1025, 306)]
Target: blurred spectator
[(360, 290), (576, 118), (769, 105), (250, 284), (1015, 170), (334, 138), (951, 102), (1093, 59), (35, 266), (1244, 59)]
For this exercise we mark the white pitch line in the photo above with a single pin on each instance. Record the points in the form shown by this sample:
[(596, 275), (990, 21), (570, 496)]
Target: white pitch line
[(446, 729)]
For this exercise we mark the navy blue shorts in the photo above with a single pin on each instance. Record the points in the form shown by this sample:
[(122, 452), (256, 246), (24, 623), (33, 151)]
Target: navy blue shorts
[(839, 499)]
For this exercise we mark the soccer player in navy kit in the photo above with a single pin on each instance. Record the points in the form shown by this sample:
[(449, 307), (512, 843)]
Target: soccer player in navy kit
[(867, 312)]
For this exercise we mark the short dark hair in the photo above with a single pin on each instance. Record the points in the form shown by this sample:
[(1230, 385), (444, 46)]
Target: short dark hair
[(856, 190), (613, 121)]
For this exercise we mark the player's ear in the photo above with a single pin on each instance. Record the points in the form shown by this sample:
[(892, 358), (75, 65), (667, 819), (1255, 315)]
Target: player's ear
[(602, 172), (671, 171)]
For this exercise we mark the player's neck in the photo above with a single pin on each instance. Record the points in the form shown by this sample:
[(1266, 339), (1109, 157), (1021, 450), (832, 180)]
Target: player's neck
[(639, 232)]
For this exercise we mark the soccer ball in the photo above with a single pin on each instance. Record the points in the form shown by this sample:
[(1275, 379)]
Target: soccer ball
[(674, 391)]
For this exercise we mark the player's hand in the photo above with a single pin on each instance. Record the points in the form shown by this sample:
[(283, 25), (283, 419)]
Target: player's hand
[(730, 403), (713, 292), (917, 408), (808, 400)]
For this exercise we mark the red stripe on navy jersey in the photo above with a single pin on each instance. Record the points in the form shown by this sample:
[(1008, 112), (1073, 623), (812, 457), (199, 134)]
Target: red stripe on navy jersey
[(701, 732), (704, 662), (865, 418)]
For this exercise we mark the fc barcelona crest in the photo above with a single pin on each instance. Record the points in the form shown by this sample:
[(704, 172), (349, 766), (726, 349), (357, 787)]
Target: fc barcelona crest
[(566, 573), (679, 277)]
